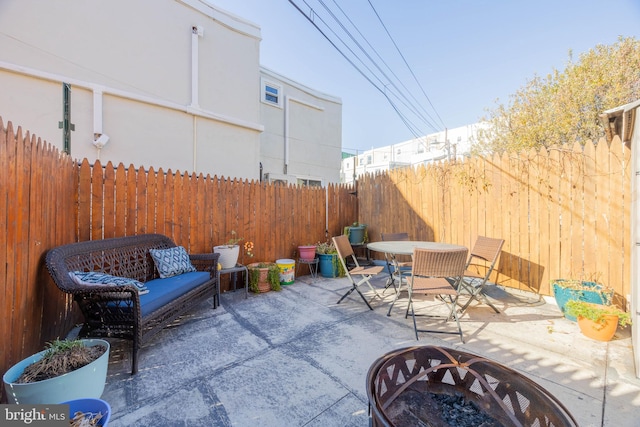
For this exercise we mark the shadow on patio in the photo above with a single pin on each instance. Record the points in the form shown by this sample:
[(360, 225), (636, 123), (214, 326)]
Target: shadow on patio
[(296, 358)]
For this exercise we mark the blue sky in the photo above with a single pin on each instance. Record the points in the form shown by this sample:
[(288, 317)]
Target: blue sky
[(464, 54)]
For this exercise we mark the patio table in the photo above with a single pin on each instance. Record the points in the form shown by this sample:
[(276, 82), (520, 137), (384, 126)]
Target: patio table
[(405, 247)]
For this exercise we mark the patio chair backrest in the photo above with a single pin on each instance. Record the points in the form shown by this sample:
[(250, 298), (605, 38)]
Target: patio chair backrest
[(439, 263), (394, 236), (487, 249), (343, 246)]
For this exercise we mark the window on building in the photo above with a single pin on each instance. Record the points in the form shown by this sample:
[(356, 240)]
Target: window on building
[(369, 159), (271, 93), (399, 151), (309, 182)]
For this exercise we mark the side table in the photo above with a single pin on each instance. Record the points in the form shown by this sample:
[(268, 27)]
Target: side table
[(233, 271), (313, 267)]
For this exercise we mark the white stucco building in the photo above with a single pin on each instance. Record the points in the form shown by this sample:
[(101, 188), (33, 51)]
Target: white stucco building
[(173, 84), (302, 140), (449, 144)]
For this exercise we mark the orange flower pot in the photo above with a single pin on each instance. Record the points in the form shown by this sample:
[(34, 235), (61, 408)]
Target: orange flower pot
[(599, 331)]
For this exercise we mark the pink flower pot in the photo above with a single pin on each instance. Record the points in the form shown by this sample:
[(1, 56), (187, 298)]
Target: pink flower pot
[(307, 252)]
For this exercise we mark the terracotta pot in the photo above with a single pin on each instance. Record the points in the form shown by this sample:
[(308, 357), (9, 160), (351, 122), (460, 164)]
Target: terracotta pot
[(599, 331), (263, 284)]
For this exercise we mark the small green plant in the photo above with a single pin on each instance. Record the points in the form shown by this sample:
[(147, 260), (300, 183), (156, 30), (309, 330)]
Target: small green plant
[(326, 248), (273, 276), (58, 346), (597, 312), (234, 240)]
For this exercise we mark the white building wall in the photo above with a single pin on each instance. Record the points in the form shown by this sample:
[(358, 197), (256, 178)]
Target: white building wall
[(303, 134), (135, 59), (453, 143)]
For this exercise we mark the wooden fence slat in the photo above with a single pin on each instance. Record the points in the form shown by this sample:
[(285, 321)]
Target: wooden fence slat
[(109, 204), (97, 202), (590, 237), (121, 201)]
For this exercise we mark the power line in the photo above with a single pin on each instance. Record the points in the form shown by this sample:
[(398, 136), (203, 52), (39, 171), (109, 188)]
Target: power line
[(383, 92), (395, 96), (401, 96), (405, 61)]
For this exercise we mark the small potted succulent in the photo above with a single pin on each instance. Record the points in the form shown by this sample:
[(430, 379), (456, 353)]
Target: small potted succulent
[(264, 277), (597, 321)]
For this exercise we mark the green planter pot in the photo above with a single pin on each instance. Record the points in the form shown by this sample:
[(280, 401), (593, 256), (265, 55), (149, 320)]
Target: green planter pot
[(86, 382), (356, 234), (594, 293), (329, 265)]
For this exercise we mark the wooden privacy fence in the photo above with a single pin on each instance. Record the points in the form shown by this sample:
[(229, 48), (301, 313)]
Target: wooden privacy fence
[(47, 199), (564, 213), (199, 212)]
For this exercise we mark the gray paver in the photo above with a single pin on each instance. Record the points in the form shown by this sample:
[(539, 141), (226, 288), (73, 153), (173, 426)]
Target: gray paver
[(296, 358)]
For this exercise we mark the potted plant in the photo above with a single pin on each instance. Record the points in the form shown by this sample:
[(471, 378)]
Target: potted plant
[(584, 290), (357, 233), (264, 277), (597, 321), (88, 412), (307, 252), (330, 265), (66, 370), (229, 252)]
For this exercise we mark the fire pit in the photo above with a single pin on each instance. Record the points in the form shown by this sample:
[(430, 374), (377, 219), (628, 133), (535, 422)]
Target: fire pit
[(437, 386)]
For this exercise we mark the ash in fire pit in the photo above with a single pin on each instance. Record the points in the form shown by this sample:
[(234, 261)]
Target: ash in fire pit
[(425, 409)]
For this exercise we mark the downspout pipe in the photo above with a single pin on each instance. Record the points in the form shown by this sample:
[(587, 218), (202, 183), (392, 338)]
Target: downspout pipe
[(196, 32)]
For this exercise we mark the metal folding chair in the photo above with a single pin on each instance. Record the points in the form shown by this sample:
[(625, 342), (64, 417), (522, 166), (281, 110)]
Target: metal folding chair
[(363, 273), (432, 274), (482, 261)]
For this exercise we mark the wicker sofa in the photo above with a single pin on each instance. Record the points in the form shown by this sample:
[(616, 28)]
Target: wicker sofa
[(123, 311)]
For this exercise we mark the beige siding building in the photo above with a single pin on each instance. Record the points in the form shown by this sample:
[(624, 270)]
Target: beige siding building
[(174, 84)]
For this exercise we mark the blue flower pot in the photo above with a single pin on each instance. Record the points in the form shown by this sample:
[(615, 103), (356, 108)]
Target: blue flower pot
[(93, 406), (563, 294), (328, 267)]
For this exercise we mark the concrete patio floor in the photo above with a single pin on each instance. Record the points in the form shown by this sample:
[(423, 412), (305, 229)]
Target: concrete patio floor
[(296, 358)]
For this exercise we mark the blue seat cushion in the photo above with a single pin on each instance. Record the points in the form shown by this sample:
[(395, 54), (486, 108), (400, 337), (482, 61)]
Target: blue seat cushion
[(163, 291)]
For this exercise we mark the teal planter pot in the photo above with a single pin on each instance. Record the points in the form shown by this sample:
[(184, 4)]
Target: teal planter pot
[(592, 292), (86, 382), (328, 265), (356, 234)]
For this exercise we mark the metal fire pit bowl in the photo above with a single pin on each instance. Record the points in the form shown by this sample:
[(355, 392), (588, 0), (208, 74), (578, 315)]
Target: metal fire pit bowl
[(504, 394)]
